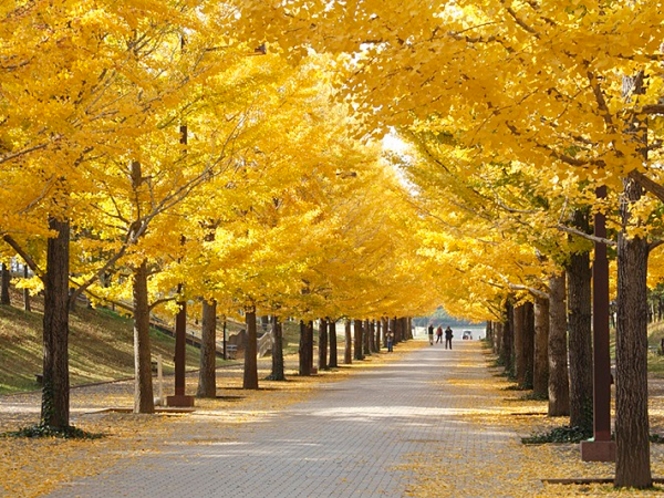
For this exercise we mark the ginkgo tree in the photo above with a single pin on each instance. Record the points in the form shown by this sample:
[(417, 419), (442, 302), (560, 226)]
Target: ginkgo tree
[(110, 87), (80, 79), (272, 247), (146, 205), (567, 85), (505, 219)]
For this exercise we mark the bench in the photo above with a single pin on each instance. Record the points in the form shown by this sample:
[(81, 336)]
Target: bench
[(231, 351)]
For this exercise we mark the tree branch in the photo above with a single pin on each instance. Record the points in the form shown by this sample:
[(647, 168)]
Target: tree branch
[(110, 262), (649, 185), (653, 109), (24, 255), (161, 301), (585, 235), (601, 101), (535, 292), (20, 153)]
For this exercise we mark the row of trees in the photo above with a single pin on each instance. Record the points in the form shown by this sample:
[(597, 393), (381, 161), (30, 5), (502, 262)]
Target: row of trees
[(227, 153), (147, 157), (521, 115)]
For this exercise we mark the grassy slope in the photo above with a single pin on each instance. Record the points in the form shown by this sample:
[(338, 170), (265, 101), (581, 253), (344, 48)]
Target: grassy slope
[(100, 347)]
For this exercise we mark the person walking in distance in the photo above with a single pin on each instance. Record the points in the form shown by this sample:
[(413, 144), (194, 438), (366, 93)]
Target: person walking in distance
[(448, 337), (439, 334), (430, 330), (389, 339)]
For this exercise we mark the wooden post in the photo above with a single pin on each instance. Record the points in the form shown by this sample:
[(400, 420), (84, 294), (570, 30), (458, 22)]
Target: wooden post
[(600, 448)]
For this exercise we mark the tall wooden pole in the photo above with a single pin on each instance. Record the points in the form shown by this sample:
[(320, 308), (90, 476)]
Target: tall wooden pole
[(180, 398), (600, 448)]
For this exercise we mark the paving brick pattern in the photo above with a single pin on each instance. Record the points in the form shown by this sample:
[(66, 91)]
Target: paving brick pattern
[(353, 438)]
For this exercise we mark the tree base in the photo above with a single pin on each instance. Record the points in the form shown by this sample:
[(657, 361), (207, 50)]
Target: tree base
[(598, 451)]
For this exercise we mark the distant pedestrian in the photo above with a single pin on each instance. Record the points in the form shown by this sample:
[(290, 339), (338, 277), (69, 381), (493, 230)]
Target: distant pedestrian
[(430, 330), (448, 337), (389, 339), (439, 334)]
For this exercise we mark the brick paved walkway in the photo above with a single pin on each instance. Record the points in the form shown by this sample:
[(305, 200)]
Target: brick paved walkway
[(360, 437)]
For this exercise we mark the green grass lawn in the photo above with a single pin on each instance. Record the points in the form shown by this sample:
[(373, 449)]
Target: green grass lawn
[(100, 347)]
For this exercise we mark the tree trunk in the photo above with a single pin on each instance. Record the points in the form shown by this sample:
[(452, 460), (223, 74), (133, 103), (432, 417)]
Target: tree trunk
[(558, 372), (306, 348), (507, 344), (398, 330), (529, 343), (26, 292), (207, 373), (277, 351), (55, 391), (524, 344), (631, 423), (498, 338), (322, 345), (348, 347), (395, 329), (312, 343), (250, 379), (488, 332), (334, 362), (358, 344), (541, 365), (517, 331), (6, 279), (384, 325), (366, 335), (579, 276), (143, 392), (379, 325)]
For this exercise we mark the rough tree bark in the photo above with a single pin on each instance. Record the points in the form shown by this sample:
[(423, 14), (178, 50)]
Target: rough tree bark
[(396, 330), (322, 345), (250, 378), (332, 333), (277, 351), (558, 372), (524, 344), (55, 391), (4, 287), (498, 337), (541, 366), (579, 276), (507, 344), (143, 391), (379, 324), (306, 348), (26, 292), (366, 335), (348, 346), (631, 423), (358, 338), (207, 373)]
